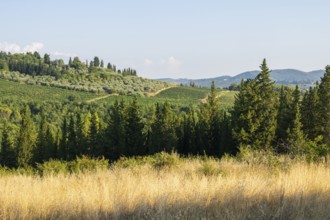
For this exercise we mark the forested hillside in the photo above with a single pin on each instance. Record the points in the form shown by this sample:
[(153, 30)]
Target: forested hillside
[(94, 76)]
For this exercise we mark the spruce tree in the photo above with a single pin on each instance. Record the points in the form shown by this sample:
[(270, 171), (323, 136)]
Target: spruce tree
[(94, 147), (309, 113), (26, 139), (8, 154), (296, 138), (62, 150), (115, 131), (72, 139), (323, 112), (254, 112), (40, 150), (285, 118), (134, 141), (163, 129)]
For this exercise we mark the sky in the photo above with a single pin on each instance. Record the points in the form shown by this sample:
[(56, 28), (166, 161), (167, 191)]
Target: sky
[(173, 38)]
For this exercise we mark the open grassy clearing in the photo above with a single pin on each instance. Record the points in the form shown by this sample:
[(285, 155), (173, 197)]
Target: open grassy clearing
[(194, 188)]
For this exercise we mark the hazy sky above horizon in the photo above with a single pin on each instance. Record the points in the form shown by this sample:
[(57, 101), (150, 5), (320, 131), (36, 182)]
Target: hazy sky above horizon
[(177, 39)]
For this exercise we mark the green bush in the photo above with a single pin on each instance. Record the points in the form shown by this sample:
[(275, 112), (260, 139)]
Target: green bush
[(53, 167), (210, 168), (85, 164), (163, 159)]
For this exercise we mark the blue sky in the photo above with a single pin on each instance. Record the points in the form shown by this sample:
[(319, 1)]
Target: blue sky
[(192, 39)]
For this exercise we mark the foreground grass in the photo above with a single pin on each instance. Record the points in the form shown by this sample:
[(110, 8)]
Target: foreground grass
[(195, 188)]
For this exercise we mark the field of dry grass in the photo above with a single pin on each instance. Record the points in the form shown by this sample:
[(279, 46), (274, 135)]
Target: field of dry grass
[(189, 189)]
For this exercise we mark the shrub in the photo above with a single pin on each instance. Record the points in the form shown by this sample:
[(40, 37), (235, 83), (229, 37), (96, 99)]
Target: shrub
[(85, 164), (53, 167), (163, 159)]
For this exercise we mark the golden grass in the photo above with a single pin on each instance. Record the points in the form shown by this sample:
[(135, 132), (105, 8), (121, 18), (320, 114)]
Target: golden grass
[(193, 189)]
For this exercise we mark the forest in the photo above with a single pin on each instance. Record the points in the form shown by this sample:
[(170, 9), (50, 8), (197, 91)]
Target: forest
[(263, 117)]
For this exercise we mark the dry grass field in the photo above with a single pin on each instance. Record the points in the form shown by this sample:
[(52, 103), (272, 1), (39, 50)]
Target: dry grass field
[(188, 189)]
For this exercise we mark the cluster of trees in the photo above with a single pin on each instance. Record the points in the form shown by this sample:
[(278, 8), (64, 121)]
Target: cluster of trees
[(34, 64), (262, 118), (125, 130)]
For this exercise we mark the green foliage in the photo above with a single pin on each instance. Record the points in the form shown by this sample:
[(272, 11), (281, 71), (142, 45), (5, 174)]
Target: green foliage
[(165, 160), (85, 164), (211, 167), (254, 112), (53, 168), (26, 140)]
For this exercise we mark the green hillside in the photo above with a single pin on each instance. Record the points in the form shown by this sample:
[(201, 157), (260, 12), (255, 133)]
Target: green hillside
[(23, 92)]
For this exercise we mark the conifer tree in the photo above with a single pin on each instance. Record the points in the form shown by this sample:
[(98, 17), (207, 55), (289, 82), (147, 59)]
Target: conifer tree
[(94, 147), (163, 133), (323, 112), (265, 108), (254, 112), (40, 150), (72, 139), (8, 154), (309, 112), (62, 150), (96, 62), (115, 131), (134, 141), (296, 137), (26, 139), (284, 118), (213, 105)]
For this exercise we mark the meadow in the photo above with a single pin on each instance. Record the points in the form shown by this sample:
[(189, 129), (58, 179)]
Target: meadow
[(168, 187)]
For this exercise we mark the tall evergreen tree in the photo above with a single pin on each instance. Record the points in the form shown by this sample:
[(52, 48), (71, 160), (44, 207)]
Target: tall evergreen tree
[(254, 113), (309, 112), (285, 118), (72, 139), (96, 62), (323, 120), (41, 145), (8, 154), (134, 141), (94, 147), (26, 139), (62, 149), (163, 129), (115, 131)]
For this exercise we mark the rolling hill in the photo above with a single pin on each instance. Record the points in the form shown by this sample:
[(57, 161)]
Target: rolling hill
[(280, 76)]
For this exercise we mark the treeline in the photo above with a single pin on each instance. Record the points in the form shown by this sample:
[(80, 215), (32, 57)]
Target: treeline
[(35, 65), (263, 118)]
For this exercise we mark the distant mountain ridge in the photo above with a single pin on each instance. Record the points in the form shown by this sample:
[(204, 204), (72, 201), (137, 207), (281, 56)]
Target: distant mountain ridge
[(280, 76)]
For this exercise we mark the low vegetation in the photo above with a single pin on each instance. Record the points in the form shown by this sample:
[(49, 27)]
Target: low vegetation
[(166, 186)]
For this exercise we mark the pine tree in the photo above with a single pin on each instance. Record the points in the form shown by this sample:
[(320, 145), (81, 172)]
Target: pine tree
[(265, 108), (309, 112), (8, 154), (40, 150), (94, 147), (254, 112), (115, 131), (285, 118), (96, 62), (163, 132), (72, 139), (102, 64), (62, 151), (26, 139), (296, 137), (323, 117), (213, 105), (134, 141)]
